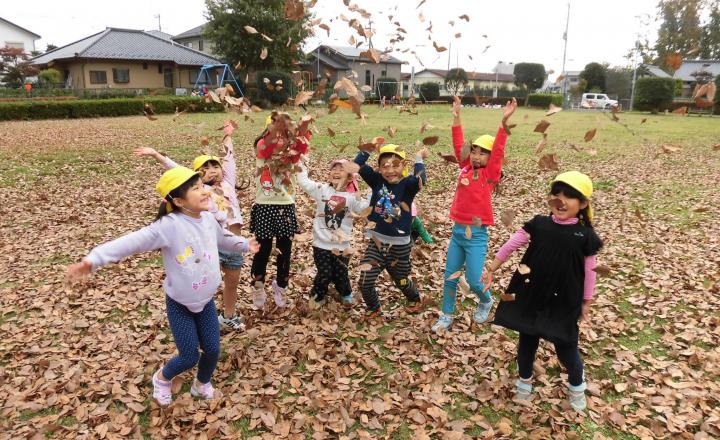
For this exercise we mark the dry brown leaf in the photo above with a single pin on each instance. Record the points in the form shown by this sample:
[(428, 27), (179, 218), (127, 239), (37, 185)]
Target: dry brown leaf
[(507, 217), (541, 145), (523, 269), (553, 109), (549, 162), (541, 126), (430, 140), (590, 134), (250, 30)]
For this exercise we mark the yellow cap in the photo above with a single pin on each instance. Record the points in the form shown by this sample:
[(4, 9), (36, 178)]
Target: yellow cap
[(172, 179), (579, 181), (485, 141), (268, 121), (201, 160), (392, 149)]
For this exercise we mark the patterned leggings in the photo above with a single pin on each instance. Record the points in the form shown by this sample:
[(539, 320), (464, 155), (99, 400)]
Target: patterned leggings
[(190, 330), (331, 268), (396, 260)]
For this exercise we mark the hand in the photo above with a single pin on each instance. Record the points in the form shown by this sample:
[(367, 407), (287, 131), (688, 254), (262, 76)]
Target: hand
[(457, 105), (78, 271), (486, 279), (424, 153), (146, 152), (254, 246), (585, 313), (509, 109), (228, 128)]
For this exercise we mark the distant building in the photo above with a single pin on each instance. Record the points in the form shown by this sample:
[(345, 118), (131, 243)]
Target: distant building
[(481, 80), (573, 80), (691, 69), (125, 58), (161, 34), (17, 37), (335, 62), (194, 39)]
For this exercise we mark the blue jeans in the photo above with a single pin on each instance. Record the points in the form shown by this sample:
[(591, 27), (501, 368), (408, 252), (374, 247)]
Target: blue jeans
[(191, 330), (231, 260), (471, 253)]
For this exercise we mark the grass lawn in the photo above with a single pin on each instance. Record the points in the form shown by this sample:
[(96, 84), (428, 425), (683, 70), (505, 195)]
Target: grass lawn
[(78, 361)]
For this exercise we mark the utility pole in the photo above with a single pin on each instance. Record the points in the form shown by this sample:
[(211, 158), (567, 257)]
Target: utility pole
[(634, 77), (564, 73), (158, 17), (369, 29), (449, 52)]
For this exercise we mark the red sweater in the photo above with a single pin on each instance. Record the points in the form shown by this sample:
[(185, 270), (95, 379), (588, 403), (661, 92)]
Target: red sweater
[(473, 199), (265, 150)]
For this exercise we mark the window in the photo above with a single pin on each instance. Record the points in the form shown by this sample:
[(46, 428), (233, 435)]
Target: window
[(98, 77), (121, 76), (160, 68), (193, 75), (200, 44), (367, 77), (15, 44), (189, 44), (383, 73), (145, 66)]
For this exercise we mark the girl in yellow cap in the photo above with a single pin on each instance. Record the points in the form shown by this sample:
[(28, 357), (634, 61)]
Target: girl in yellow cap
[(189, 238), (553, 285), (480, 165), (219, 174)]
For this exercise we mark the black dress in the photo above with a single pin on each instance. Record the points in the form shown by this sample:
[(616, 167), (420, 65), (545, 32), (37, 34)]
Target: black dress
[(548, 299)]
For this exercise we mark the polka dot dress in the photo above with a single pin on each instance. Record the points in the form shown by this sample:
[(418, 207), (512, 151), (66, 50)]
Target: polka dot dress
[(268, 221)]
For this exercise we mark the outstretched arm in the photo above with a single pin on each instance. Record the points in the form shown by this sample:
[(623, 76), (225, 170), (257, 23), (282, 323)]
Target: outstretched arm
[(151, 152), (368, 174), (516, 241), (229, 166)]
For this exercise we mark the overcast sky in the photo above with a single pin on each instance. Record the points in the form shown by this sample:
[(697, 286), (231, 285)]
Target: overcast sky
[(516, 30)]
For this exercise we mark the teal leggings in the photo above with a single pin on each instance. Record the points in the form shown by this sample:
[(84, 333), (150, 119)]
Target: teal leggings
[(471, 253)]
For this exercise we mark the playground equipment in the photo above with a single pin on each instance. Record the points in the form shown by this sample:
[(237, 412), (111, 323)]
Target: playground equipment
[(204, 78)]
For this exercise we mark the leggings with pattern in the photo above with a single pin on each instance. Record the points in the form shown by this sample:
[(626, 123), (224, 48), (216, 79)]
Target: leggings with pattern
[(331, 268), (396, 260)]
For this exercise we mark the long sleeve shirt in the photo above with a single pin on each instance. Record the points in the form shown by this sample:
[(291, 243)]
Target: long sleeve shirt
[(474, 186), (391, 202), (521, 239), (332, 226), (190, 254), (224, 205)]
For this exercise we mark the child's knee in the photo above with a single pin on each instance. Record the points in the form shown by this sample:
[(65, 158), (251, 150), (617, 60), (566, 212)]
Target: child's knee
[(189, 359), (212, 352)]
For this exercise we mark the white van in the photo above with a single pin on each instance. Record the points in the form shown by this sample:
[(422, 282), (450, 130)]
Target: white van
[(597, 100)]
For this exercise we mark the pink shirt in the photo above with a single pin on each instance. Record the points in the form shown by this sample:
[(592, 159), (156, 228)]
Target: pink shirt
[(521, 238)]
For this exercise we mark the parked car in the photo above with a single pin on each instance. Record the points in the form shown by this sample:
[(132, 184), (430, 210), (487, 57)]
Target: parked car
[(597, 100)]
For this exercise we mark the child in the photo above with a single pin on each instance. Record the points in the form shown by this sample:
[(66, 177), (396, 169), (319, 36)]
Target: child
[(220, 180), (332, 229), (277, 151), (189, 239), (393, 192), (480, 168), (418, 228), (554, 283)]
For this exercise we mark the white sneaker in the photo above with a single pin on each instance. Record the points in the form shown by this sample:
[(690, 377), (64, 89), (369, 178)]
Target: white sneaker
[(443, 323), (259, 296), (204, 391), (233, 323), (576, 397), (162, 390), (278, 293)]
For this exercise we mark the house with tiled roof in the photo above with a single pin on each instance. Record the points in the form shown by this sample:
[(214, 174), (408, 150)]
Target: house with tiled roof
[(125, 58), (692, 70), (194, 39), (335, 62), (481, 80), (16, 37)]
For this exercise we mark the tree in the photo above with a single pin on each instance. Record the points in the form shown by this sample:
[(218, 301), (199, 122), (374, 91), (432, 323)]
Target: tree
[(710, 40), (232, 41), (679, 29), (654, 94), (529, 75), (430, 91), (594, 74), (455, 81), (618, 81), (49, 77), (15, 67), (50, 47)]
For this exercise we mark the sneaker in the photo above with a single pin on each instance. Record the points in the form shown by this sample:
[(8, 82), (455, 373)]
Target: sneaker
[(162, 390), (258, 295), (233, 323), (278, 294), (315, 304), (523, 390), (416, 306), (443, 323), (346, 300), (204, 391), (576, 396), (483, 311)]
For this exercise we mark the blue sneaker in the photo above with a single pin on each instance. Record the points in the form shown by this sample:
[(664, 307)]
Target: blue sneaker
[(483, 311), (346, 300), (443, 323)]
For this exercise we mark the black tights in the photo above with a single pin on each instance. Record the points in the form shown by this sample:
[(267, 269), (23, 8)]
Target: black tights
[(260, 261), (568, 354)]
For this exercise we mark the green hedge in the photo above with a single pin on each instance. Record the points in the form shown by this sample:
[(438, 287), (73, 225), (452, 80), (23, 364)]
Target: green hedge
[(91, 108), (274, 96), (544, 99), (654, 94), (430, 91)]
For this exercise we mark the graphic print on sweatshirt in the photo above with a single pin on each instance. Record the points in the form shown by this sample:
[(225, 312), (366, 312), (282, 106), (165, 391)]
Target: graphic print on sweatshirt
[(338, 204), (386, 206), (194, 265), (266, 181)]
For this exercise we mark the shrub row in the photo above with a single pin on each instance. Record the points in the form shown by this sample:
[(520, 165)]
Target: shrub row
[(544, 99), (91, 108)]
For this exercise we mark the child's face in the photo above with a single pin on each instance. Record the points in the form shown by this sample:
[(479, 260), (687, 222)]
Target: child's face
[(391, 168), (211, 173), (196, 199), (479, 157), (564, 208), (337, 173)]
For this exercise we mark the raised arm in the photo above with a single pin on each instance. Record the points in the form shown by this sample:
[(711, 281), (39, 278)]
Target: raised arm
[(458, 137), (368, 174), (311, 187), (151, 152), (494, 165), (229, 166)]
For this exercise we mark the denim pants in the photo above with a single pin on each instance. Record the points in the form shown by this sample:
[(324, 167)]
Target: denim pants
[(471, 253)]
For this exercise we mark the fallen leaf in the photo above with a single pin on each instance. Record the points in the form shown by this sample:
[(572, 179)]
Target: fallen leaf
[(541, 145), (448, 157), (541, 126), (250, 30), (507, 217), (602, 270), (430, 140), (553, 109), (549, 162), (523, 269), (590, 134)]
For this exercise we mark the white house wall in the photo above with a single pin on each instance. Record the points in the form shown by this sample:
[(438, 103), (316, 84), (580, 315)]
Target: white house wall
[(14, 37)]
